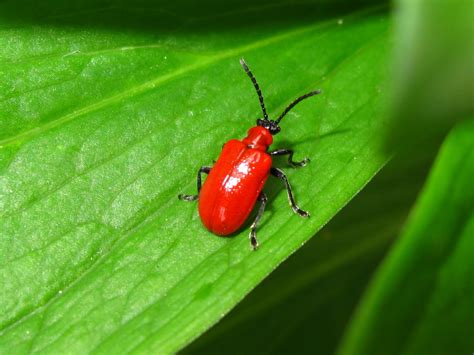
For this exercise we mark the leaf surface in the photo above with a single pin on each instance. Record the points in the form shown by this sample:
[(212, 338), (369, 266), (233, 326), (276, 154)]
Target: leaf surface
[(103, 123)]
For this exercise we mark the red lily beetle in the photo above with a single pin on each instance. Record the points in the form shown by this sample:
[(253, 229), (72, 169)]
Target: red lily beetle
[(236, 180)]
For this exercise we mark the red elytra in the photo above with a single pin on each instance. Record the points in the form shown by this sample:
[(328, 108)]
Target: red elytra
[(236, 180)]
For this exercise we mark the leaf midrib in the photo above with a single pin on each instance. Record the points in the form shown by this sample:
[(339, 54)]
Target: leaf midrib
[(151, 84), (148, 85)]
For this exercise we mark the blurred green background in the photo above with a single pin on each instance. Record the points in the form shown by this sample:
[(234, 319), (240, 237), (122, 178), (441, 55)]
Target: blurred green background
[(108, 107)]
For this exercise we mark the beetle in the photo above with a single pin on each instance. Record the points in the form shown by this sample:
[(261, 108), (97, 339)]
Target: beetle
[(235, 181)]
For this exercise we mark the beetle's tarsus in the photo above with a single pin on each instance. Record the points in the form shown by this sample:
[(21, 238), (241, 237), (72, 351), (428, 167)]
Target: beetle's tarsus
[(299, 164), (253, 240), (289, 152), (300, 212), (189, 198), (305, 162)]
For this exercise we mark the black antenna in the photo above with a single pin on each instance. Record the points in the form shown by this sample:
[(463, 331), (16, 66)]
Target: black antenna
[(293, 104), (255, 84)]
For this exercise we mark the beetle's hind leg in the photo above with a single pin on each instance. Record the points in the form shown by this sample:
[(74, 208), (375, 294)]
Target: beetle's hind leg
[(203, 169), (281, 175), (253, 228), (289, 152)]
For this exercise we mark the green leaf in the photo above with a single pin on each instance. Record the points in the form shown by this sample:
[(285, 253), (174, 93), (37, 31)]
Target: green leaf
[(105, 118), (308, 301), (434, 53), (421, 300)]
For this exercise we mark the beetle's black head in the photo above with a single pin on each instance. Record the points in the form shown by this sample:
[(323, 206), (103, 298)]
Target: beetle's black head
[(271, 125)]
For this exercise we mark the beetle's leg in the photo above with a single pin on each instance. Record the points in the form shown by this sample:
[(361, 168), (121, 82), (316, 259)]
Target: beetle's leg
[(281, 175), (203, 169), (294, 164), (253, 228)]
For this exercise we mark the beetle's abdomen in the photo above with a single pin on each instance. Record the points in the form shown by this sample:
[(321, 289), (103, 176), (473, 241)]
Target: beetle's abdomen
[(232, 187)]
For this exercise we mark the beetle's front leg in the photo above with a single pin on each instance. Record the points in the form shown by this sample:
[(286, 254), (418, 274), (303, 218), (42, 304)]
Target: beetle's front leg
[(203, 169), (253, 228), (281, 175), (289, 152)]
